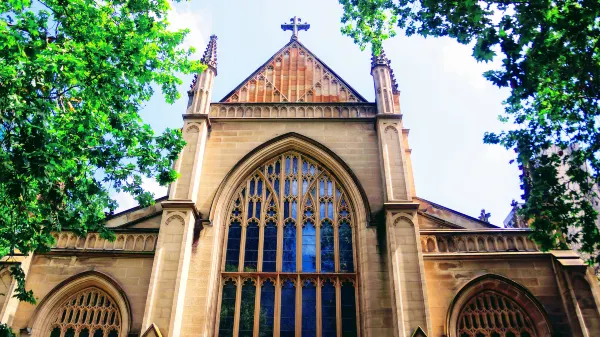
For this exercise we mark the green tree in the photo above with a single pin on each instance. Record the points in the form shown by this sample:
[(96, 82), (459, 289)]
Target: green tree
[(550, 52), (74, 75)]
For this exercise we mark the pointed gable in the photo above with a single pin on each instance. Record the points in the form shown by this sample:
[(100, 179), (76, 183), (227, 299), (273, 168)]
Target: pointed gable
[(293, 74)]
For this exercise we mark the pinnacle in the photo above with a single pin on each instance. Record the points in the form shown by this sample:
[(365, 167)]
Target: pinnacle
[(210, 54), (379, 60), (382, 60)]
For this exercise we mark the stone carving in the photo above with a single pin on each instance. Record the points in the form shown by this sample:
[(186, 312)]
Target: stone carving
[(130, 242), (289, 75), (476, 242), (232, 110)]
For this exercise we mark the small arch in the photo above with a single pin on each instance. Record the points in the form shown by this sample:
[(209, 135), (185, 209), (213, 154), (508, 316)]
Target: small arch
[(492, 283), (41, 319)]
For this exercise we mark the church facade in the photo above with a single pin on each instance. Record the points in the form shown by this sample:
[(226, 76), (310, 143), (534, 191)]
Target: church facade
[(296, 214)]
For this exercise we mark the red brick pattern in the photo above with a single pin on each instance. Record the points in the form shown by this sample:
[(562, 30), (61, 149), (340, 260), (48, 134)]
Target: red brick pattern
[(293, 75)]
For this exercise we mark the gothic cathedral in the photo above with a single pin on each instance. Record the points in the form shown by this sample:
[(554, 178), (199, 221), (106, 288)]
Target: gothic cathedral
[(296, 214)]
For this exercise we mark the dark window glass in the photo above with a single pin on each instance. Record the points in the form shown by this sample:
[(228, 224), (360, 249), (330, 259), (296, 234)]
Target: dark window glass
[(267, 309), (288, 309), (55, 332), (309, 309), (70, 332), (327, 250), (348, 310), (309, 247), (270, 247), (84, 333), (289, 247), (247, 309), (232, 258), (346, 256), (251, 249), (227, 309), (328, 303)]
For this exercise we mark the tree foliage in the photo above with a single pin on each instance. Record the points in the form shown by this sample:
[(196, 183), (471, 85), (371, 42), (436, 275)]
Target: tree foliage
[(550, 53), (74, 75)]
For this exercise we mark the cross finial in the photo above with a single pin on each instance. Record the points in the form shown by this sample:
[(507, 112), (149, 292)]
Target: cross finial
[(295, 25), (485, 217)]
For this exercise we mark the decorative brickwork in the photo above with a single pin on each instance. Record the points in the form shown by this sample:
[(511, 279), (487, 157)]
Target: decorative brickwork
[(299, 110), (294, 74), (448, 242), (131, 242)]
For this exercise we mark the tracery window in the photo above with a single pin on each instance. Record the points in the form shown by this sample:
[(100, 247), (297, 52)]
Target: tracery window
[(289, 261), (88, 313), (491, 314)]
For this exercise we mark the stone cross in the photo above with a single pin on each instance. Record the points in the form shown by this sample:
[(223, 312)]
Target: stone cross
[(484, 216), (295, 25)]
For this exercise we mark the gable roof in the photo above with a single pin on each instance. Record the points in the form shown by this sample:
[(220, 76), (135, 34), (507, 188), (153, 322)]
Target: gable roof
[(293, 74)]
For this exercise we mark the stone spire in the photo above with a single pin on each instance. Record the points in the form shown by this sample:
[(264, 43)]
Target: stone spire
[(201, 87), (210, 54), (386, 87), (379, 60), (382, 60)]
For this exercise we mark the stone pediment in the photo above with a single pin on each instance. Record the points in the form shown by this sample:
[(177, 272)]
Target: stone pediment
[(293, 74)]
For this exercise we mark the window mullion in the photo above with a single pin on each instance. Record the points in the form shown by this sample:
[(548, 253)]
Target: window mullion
[(280, 214), (258, 289), (317, 230), (319, 307), (261, 225), (317, 213), (338, 306), (299, 214), (244, 225), (298, 306), (277, 309), (238, 304), (336, 239)]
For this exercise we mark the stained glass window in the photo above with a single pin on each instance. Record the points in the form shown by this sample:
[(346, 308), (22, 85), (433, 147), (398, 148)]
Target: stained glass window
[(290, 236), (288, 309), (267, 308), (309, 309), (348, 309), (227, 308), (328, 309)]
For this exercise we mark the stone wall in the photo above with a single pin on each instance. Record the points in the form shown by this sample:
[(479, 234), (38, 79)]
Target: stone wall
[(445, 277), (355, 142), (47, 271)]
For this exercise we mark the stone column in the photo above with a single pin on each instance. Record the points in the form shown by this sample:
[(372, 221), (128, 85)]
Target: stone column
[(11, 303), (407, 277), (168, 282), (579, 291)]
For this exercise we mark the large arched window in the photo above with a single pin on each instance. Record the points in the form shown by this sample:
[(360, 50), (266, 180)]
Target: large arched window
[(289, 264), (88, 313), (491, 314)]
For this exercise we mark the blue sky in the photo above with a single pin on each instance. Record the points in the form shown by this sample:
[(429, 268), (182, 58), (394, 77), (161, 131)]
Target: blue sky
[(445, 101)]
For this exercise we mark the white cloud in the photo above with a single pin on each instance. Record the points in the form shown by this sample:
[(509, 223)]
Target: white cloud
[(182, 16), (126, 201)]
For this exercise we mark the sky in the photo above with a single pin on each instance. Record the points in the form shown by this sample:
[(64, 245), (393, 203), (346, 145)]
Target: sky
[(445, 101)]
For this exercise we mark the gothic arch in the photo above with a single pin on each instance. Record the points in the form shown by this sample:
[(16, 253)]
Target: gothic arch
[(302, 144), (246, 166), (40, 320), (504, 287)]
